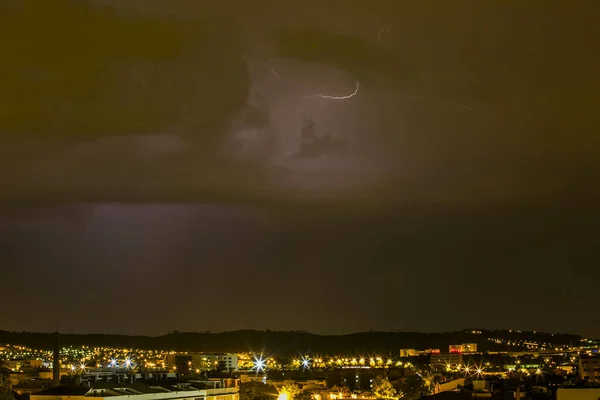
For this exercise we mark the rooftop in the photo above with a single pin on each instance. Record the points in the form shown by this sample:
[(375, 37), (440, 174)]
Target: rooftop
[(110, 389)]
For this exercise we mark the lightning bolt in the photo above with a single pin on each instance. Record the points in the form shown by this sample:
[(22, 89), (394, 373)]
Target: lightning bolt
[(270, 69), (323, 96), (381, 32)]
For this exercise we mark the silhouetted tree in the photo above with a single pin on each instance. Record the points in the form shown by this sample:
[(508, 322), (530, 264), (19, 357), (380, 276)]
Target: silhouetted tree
[(257, 391), (6, 392), (434, 382), (291, 390), (383, 389), (412, 388), (221, 366)]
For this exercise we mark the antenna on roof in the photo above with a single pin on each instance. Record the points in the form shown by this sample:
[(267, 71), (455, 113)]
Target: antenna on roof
[(56, 359)]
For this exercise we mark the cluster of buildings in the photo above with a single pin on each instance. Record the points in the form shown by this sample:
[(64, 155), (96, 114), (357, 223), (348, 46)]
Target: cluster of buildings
[(452, 349), (197, 362), (119, 377), (134, 387), (79, 373)]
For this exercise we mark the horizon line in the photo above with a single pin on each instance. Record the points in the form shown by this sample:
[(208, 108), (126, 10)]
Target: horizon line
[(267, 330)]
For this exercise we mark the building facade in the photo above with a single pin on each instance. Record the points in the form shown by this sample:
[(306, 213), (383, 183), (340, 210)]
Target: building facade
[(589, 368), (463, 348), (136, 391), (578, 394), (409, 352), (439, 362), (191, 362)]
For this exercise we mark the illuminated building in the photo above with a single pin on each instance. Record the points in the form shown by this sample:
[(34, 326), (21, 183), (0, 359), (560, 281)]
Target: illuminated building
[(139, 391), (588, 393), (190, 362), (589, 368), (415, 353), (408, 353), (463, 348), (439, 362)]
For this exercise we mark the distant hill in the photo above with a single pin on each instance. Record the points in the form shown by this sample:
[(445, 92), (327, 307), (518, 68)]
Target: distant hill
[(293, 342)]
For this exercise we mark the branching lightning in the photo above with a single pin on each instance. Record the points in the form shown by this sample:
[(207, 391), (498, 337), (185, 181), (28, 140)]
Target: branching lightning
[(323, 96)]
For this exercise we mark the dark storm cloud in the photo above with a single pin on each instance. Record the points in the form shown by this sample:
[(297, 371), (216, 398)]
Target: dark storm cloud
[(469, 163), (424, 268), (443, 87)]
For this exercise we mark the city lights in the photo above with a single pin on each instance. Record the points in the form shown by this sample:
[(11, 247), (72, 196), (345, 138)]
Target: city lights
[(306, 363), (259, 364), (431, 366)]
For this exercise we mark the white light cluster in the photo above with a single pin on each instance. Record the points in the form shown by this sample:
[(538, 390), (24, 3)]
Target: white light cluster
[(306, 363), (259, 364)]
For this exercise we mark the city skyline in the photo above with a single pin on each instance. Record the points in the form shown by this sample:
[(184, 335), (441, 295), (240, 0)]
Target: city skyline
[(478, 330)]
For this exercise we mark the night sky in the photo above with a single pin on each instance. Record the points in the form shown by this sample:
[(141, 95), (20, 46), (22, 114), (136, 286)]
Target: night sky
[(329, 166)]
